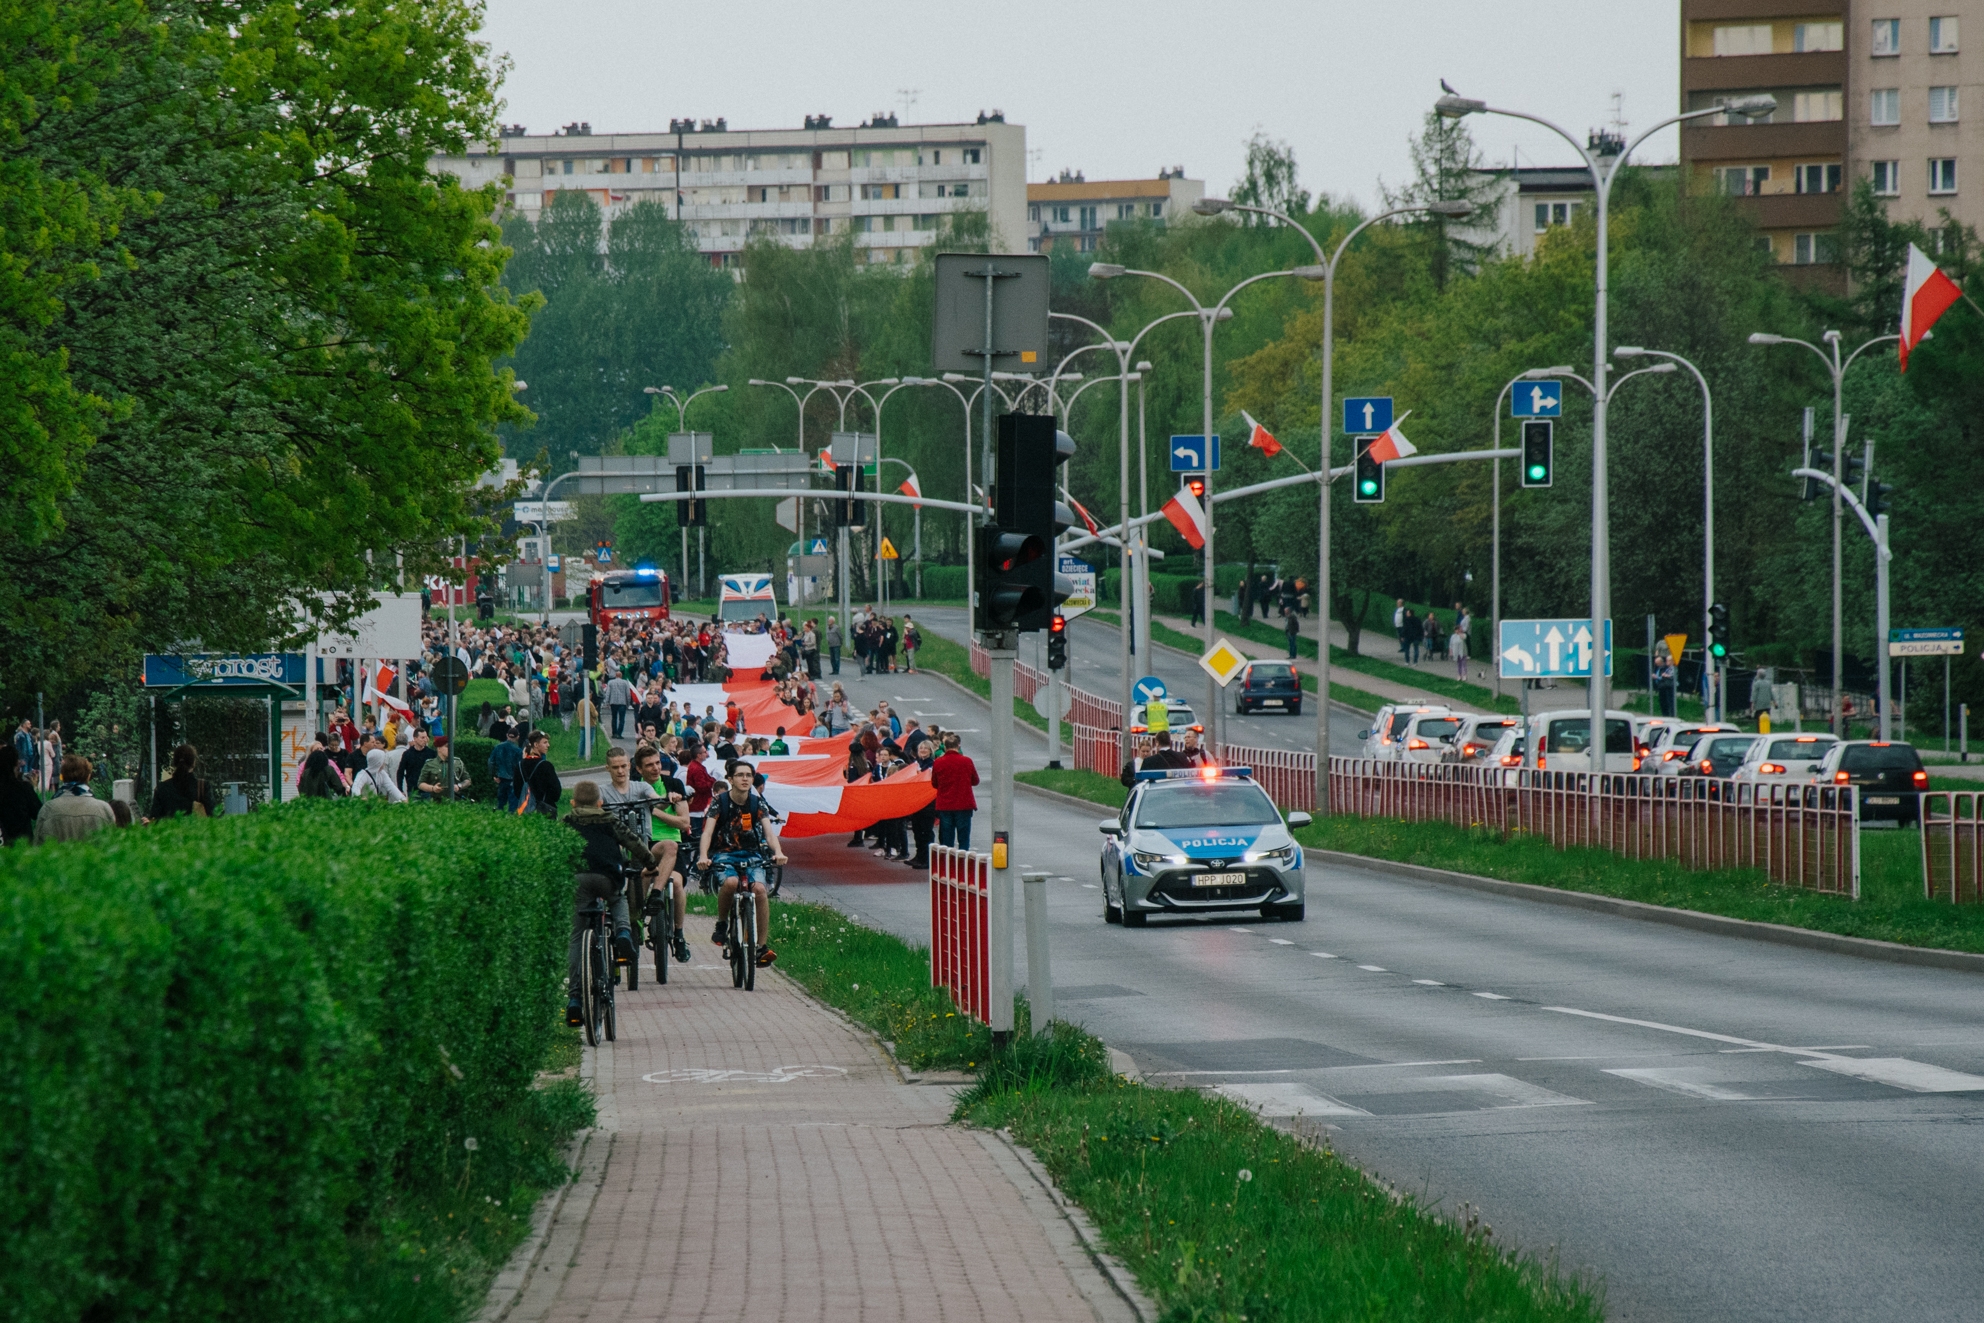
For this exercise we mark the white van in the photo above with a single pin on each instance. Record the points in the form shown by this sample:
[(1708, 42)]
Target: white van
[(1561, 742), (746, 597)]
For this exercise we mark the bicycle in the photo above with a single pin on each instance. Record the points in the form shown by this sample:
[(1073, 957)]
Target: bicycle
[(743, 940), (659, 914), (597, 974)]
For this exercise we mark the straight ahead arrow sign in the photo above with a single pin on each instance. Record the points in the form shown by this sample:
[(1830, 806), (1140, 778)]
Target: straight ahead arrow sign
[(1556, 642)]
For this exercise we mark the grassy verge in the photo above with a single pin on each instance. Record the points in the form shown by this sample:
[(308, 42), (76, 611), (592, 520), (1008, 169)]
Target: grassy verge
[(1219, 1215), (1891, 907)]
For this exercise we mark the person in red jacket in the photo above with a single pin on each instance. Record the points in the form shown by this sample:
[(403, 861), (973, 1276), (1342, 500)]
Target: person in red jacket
[(954, 775), (700, 783)]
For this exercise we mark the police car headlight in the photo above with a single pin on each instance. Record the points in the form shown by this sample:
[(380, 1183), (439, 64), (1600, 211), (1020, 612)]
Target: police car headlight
[(1284, 856), (1145, 859)]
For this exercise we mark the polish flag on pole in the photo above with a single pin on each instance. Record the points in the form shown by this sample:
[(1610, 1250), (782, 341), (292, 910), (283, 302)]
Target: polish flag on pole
[(1392, 445), (375, 688), (1187, 516), (1259, 437), (909, 488), (1928, 296), (1094, 528)]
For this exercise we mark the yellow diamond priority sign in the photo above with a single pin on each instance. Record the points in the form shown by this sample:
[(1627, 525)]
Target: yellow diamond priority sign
[(1222, 662)]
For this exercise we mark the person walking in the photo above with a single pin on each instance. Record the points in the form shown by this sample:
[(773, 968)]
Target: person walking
[(188, 794), (1399, 613), (74, 812), (953, 775), (27, 752), (619, 697), (1198, 593), (19, 804), (540, 779), (506, 763), (417, 756), (912, 639), (1457, 647), (833, 643), (1411, 634), (51, 756), (1292, 628), (377, 779), (1665, 678)]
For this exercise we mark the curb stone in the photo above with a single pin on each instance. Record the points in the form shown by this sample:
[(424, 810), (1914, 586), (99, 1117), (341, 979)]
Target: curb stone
[(585, 1156), (1117, 1296), (1782, 934)]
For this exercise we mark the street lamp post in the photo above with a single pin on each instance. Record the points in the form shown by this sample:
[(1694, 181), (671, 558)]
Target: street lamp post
[(894, 385), (1209, 317), (1604, 170), (1836, 367), (1708, 515), (1325, 428), (682, 425)]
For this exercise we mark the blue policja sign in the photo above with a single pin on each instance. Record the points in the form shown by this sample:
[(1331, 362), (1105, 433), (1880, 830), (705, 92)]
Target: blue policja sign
[(1531, 649), (1367, 415), (1149, 689), (1188, 454), (1537, 399)]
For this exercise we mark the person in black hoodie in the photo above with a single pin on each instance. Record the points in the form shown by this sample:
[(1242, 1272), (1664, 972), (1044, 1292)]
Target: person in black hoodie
[(606, 837), (19, 804), (540, 778)]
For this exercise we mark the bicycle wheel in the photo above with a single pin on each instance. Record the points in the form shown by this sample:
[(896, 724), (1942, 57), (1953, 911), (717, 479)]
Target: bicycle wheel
[(607, 963), (749, 957), (589, 991), (634, 965), (663, 930), (735, 948), (774, 874)]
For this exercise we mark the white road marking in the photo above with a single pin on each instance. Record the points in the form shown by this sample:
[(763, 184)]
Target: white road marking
[(1667, 1028), (1281, 941), (1430, 982), (1287, 1100), (1322, 955), (1901, 1073), (1180, 1073), (1375, 969), (1492, 996), (1240, 930), (1675, 1080)]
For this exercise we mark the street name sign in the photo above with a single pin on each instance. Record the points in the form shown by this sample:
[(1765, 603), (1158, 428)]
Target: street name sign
[(1367, 415), (1188, 454), (1537, 399), (1925, 642), (1082, 575), (1533, 649)]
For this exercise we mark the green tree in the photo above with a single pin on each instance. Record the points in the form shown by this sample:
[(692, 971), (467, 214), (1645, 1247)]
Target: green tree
[(1448, 167), (1270, 180)]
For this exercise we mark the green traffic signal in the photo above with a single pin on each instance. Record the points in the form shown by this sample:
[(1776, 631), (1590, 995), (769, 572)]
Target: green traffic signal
[(1537, 472), (1368, 487)]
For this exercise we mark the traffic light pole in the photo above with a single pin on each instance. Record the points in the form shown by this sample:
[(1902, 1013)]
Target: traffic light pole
[(1877, 529)]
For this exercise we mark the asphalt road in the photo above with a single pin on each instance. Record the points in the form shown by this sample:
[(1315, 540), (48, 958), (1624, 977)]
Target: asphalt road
[(1721, 1129), (1094, 663)]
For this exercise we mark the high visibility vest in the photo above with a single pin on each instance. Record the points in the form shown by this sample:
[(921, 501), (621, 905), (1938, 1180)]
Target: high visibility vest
[(1157, 717)]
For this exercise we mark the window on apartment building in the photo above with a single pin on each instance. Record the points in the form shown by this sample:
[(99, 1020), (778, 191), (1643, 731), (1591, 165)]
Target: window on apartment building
[(1157, 210), (1884, 106), (566, 167), (1063, 215), (974, 156), (878, 192), (926, 221), (1087, 244), (1033, 212), (1818, 36), (1818, 105), (1887, 37), (1942, 175), (1554, 213), (1741, 181), (1821, 178), (1742, 39), (1126, 210), (1814, 249), (1090, 219), (1942, 105), (1886, 178), (861, 224), (1942, 36)]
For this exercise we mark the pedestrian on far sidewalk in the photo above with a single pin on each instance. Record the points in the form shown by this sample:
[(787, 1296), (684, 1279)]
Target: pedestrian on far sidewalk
[(1291, 627), (1457, 647), (1399, 613), (833, 643)]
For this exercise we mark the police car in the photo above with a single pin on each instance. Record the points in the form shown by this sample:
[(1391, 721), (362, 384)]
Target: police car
[(1196, 840)]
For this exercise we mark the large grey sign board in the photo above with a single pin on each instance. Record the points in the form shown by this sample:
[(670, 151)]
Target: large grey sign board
[(1019, 312)]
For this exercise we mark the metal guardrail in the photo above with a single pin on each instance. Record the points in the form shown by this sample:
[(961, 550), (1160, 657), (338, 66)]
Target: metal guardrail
[(1799, 835), (961, 928), (1953, 846)]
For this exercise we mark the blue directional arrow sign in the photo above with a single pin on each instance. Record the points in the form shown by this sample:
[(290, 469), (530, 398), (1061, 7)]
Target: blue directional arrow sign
[(1188, 454), (1149, 689), (1532, 649), (1367, 415), (1537, 399)]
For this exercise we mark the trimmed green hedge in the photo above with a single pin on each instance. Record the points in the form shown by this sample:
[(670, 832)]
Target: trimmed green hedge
[(235, 1045), (474, 751)]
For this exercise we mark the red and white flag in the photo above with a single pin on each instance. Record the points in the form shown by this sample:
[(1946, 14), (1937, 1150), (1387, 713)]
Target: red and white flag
[(375, 688), (910, 489), (1187, 516), (1928, 296), (1259, 437), (1094, 529), (1392, 445)]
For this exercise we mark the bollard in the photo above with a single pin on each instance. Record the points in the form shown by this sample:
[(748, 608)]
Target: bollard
[(1963, 733), (1039, 969)]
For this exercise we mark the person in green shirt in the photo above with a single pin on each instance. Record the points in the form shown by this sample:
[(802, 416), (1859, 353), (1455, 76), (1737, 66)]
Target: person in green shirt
[(778, 747), (670, 819)]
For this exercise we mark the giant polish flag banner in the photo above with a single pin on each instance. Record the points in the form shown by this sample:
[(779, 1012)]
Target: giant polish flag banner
[(1928, 296)]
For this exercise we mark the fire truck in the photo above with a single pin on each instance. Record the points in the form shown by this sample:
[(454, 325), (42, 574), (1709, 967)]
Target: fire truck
[(637, 594)]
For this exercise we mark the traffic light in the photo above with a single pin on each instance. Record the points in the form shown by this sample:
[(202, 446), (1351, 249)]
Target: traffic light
[(1856, 470), (1537, 444), (1718, 632), (1821, 460), (847, 481), (1057, 642), (1367, 482), (589, 645), (1877, 498), (1018, 588), (1196, 485), (691, 514)]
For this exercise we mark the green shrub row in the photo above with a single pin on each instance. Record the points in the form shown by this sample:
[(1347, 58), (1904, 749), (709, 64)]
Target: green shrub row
[(235, 1045)]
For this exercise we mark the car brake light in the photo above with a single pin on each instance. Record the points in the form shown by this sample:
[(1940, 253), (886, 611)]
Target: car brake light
[(1672, 754), (1637, 760), (1841, 777), (1541, 762), (1708, 767), (1921, 778), (1510, 760), (1416, 743), (1771, 769)]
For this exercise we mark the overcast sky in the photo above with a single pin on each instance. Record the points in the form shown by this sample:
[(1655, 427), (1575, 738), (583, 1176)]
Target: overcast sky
[(1113, 88)]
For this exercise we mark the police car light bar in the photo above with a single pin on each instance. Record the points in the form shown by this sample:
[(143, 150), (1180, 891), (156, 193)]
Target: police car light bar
[(1195, 774)]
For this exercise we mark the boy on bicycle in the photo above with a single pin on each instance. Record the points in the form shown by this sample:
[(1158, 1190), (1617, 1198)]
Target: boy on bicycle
[(605, 837), (671, 819), (738, 832)]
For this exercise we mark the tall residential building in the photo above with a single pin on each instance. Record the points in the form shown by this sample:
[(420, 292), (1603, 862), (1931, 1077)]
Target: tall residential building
[(888, 185), (1869, 90), (1073, 211)]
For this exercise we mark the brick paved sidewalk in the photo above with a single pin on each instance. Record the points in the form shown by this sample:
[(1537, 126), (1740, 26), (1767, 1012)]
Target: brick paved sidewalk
[(758, 1158)]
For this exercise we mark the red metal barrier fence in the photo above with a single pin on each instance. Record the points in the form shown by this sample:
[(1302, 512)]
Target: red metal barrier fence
[(1287, 775), (1802, 836), (961, 928), (1952, 862), (1093, 722)]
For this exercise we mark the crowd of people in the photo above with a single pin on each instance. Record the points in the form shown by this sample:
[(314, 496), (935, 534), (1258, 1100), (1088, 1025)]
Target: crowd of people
[(72, 811)]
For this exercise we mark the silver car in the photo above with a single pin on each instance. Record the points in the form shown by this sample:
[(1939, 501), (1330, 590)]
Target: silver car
[(1474, 743), (1668, 754), (1197, 840), (1387, 729), (1784, 759)]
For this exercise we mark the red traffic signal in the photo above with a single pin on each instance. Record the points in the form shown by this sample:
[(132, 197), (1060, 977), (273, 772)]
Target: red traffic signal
[(1058, 625), (1196, 486)]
